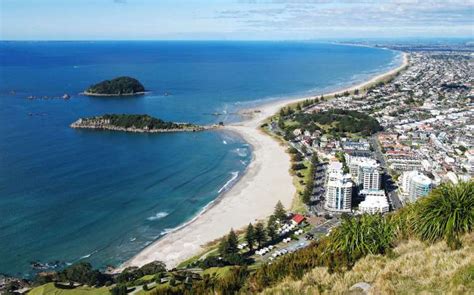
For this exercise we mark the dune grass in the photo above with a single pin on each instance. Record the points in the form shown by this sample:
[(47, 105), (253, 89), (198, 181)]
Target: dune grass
[(412, 268)]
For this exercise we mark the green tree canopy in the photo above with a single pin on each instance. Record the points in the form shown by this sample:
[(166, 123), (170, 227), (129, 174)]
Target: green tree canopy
[(279, 212), (117, 86), (250, 236), (232, 243), (272, 228), (260, 234)]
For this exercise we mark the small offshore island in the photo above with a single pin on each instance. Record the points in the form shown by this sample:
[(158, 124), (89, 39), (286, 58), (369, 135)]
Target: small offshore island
[(121, 86), (135, 123)]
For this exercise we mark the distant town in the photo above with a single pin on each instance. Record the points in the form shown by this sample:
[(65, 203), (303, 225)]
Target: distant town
[(426, 116)]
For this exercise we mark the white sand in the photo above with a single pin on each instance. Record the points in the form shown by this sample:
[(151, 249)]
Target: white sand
[(253, 197)]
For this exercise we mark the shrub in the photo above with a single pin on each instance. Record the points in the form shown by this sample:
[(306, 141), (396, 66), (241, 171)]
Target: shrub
[(446, 213), (362, 235), (298, 166), (153, 268), (83, 273)]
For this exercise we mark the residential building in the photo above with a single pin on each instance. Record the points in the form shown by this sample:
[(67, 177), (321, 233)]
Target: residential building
[(370, 175), (366, 172), (339, 190), (415, 185), (375, 202)]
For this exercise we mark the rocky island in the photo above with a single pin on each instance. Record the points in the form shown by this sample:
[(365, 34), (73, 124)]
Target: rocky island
[(121, 86), (135, 123)]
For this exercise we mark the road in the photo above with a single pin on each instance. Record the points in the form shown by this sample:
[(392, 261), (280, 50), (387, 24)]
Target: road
[(388, 182)]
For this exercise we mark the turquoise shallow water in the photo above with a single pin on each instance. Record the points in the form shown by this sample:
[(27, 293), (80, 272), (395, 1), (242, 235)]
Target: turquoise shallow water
[(68, 195)]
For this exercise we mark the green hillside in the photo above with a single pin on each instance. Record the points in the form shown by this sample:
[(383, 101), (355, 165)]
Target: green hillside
[(116, 87)]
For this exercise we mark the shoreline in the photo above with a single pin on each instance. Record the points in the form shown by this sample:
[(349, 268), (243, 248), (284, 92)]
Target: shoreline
[(265, 181)]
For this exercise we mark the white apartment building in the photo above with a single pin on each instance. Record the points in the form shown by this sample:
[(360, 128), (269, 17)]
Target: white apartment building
[(375, 202), (366, 172), (415, 185), (370, 176), (339, 189)]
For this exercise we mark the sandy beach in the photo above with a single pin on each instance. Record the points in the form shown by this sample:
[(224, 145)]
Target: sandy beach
[(253, 197)]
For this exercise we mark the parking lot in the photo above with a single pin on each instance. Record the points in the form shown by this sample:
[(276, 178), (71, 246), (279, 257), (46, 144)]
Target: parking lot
[(283, 248)]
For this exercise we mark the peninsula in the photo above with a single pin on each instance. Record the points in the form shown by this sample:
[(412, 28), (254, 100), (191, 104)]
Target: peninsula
[(135, 123), (121, 86)]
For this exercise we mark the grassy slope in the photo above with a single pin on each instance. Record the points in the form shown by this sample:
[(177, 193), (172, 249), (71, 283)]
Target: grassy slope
[(51, 289), (218, 271), (413, 268), (297, 204)]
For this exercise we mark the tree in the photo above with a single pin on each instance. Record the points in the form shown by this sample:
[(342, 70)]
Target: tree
[(306, 196), (232, 243), (279, 212), (223, 246), (304, 150), (272, 228), (298, 166), (260, 234), (250, 236), (293, 151), (153, 268), (281, 123), (297, 157), (289, 136), (83, 273)]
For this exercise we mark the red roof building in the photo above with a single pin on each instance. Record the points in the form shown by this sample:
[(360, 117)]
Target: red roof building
[(298, 218)]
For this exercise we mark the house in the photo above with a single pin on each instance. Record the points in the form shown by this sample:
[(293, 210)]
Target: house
[(297, 219)]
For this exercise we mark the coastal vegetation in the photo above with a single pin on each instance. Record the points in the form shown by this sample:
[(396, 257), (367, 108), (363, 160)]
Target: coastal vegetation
[(256, 236), (404, 250), (133, 123), (120, 86), (413, 267), (139, 121)]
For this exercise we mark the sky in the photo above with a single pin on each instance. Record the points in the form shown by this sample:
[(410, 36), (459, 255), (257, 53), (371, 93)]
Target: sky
[(233, 19)]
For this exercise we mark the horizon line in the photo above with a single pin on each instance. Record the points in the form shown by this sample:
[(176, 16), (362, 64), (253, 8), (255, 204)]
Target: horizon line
[(230, 40)]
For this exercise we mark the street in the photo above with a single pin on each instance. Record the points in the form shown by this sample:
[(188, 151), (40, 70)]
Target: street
[(387, 181)]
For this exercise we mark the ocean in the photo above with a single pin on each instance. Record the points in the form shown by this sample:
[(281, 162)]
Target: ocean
[(70, 195)]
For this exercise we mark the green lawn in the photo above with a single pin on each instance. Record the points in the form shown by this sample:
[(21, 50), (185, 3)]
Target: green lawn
[(219, 271), (51, 289), (297, 205)]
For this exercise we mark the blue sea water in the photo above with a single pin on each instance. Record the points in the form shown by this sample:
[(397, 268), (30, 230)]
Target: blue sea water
[(70, 195)]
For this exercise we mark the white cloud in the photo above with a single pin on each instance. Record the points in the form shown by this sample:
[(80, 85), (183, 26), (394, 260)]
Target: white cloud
[(389, 16)]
